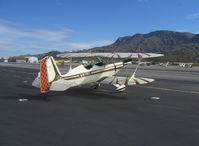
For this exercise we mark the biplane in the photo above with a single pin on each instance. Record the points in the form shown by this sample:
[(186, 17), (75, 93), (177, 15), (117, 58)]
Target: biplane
[(51, 79)]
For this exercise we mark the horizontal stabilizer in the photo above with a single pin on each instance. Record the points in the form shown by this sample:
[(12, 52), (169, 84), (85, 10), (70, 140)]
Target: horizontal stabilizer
[(36, 82), (61, 85)]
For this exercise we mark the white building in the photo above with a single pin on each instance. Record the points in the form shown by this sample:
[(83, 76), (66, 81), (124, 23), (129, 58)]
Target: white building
[(5, 60), (32, 59)]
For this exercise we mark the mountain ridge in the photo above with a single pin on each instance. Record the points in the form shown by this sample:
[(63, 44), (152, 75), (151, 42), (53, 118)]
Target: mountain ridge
[(177, 46)]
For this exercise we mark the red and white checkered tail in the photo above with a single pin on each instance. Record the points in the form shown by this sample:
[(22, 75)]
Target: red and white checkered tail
[(49, 72)]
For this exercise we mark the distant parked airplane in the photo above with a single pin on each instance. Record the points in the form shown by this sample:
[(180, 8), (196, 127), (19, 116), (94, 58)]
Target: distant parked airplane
[(187, 65)]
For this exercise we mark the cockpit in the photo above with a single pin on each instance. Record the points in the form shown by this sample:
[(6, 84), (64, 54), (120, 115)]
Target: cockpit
[(100, 63), (89, 66)]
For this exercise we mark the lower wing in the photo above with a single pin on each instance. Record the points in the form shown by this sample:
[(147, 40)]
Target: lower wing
[(122, 82)]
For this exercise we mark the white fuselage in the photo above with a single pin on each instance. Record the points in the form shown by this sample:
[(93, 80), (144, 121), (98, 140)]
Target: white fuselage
[(80, 75)]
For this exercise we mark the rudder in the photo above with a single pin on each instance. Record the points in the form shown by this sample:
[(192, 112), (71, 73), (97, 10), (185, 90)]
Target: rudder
[(48, 73), (44, 83)]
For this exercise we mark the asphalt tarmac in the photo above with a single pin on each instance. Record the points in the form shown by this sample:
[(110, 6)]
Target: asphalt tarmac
[(162, 113)]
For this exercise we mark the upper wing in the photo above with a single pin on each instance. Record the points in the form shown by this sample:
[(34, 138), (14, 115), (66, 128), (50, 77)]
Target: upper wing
[(111, 55)]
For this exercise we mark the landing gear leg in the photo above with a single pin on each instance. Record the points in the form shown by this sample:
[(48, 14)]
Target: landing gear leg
[(96, 86)]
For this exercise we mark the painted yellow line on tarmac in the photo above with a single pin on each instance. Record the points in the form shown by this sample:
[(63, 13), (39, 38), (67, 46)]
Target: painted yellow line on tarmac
[(168, 89)]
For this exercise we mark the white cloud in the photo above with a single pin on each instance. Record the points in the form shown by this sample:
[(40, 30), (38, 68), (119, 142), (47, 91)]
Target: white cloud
[(3, 21), (14, 38), (193, 16), (140, 1), (83, 45), (10, 44), (8, 29)]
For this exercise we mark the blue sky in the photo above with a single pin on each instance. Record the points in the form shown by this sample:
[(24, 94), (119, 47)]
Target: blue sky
[(36, 26)]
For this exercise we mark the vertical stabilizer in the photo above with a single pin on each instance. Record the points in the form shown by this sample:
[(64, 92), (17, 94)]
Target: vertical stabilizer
[(49, 72)]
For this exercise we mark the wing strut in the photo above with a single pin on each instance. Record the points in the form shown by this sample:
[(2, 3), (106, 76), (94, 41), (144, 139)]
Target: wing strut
[(70, 68), (139, 60)]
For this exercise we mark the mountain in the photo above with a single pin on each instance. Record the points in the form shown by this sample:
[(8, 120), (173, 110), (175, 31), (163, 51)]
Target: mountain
[(51, 53), (177, 46)]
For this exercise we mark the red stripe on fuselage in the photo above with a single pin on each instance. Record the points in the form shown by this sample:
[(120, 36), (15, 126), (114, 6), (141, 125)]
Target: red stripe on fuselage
[(86, 74)]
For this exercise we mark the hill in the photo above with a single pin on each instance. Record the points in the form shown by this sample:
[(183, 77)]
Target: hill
[(177, 46), (40, 56)]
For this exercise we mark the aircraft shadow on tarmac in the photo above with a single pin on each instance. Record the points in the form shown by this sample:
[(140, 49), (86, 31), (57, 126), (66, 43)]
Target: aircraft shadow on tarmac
[(87, 93), (76, 92)]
